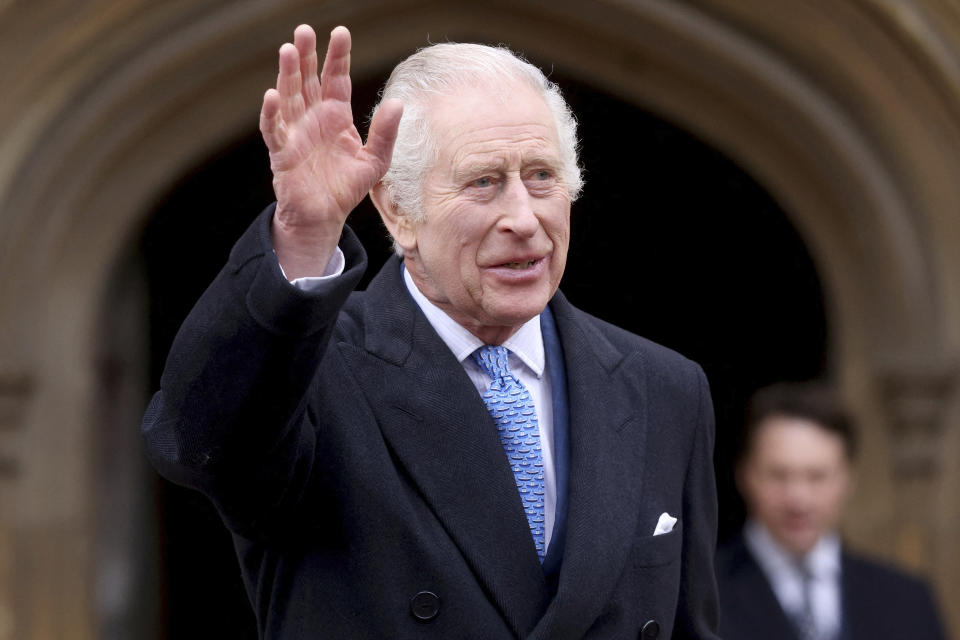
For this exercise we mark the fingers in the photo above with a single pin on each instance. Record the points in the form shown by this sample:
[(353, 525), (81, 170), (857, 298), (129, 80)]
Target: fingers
[(335, 76), (305, 40), (297, 82), (383, 132), (271, 126), (292, 105)]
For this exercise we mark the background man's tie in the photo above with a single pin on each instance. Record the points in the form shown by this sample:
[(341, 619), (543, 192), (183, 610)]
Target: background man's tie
[(805, 622), (512, 409)]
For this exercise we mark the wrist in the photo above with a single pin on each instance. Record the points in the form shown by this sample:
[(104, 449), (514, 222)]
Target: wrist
[(304, 251)]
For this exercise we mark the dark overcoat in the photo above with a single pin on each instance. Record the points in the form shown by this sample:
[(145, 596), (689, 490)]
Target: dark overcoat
[(366, 487)]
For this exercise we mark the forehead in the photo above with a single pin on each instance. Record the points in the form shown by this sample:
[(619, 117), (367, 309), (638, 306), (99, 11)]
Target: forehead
[(796, 441), (478, 124)]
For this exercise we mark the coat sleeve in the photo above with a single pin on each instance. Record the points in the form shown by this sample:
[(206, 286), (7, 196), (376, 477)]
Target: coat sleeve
[(698, 608), (229, 419)]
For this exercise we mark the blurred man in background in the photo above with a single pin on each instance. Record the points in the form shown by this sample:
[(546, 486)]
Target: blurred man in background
[(789, 575)]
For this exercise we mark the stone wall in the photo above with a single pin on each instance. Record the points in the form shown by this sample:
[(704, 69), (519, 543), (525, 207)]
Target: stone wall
[(848, 112)]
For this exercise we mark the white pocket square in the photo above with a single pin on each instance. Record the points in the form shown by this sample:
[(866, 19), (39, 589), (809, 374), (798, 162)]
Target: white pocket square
[(664, 524)]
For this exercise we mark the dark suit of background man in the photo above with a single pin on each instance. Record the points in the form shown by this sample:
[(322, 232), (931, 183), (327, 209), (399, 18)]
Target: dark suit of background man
[(789, 575), (346, 437)]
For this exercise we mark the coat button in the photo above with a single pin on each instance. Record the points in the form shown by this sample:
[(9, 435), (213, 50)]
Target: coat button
[(425, 606), (650, 631)]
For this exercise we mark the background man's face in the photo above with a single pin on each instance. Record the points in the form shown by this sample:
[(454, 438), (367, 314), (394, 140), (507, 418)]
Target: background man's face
[(492, 246), (795, 481)]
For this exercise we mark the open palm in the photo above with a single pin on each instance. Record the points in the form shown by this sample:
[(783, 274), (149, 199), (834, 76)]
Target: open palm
[(321, 168)]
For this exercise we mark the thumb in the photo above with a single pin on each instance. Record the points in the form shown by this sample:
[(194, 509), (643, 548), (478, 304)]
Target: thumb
[(383, 133)]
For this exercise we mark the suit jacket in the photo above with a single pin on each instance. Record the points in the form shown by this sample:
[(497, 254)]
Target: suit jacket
[(878, 601), (366, 487)]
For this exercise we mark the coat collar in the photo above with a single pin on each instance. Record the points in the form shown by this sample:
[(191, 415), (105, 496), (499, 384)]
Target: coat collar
[(749, 593)]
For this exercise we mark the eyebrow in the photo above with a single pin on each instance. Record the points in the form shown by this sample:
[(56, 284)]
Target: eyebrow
[(478, 168), (496, 165)]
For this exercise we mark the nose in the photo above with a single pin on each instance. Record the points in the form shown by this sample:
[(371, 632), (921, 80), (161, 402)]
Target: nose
[(518, 214), (798, 494)]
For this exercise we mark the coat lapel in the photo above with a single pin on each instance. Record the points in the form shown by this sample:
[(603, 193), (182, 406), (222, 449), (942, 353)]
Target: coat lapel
[(607, 441), (440, 432), (753, 598)]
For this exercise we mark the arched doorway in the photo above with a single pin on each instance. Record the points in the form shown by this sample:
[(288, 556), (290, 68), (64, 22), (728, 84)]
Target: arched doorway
[(855, 137)]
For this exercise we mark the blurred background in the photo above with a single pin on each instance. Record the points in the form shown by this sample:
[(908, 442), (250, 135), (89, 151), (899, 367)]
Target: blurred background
[(771, 189)]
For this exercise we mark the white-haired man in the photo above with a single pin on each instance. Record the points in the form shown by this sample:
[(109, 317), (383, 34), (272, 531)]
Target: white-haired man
[(456, 452)]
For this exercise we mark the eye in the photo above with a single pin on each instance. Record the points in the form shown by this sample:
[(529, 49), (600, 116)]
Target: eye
[(483, 182), (777, 475), (542, 177)]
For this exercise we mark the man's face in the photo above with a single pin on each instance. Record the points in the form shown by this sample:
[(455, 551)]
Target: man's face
[(795, 481), (492, 245)]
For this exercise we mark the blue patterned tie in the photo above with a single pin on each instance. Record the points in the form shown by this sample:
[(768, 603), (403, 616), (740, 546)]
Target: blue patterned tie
[(512, 409)]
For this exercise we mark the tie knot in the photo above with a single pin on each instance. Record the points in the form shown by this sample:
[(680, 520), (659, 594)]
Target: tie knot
[(803, 569), (493, 359)]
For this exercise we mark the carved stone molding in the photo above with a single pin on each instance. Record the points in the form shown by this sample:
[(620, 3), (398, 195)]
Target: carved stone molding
[(915, 394), (16, 388)]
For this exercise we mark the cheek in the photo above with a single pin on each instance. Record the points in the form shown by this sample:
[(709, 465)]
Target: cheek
[(772, 499), (835, 500), (465, 227), (558, 226), (445, 233), (455, 242)]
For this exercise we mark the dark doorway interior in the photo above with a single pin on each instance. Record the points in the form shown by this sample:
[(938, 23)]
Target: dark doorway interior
[(671, 240)]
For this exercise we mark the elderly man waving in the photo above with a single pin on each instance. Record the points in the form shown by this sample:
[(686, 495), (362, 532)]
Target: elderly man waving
[(456, 452)]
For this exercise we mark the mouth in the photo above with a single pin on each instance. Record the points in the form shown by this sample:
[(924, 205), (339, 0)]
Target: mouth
[(520, 265)]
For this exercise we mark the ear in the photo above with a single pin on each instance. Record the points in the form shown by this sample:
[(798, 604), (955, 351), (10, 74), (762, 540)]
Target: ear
[(402, 227)]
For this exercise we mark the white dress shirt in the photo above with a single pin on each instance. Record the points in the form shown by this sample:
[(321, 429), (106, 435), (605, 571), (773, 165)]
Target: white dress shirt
[(527, 361), (822, 562)]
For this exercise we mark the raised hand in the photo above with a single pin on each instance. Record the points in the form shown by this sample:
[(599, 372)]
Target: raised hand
[(321, 168)]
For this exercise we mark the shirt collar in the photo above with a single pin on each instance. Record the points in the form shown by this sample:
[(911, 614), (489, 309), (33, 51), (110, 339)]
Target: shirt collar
[(526, 343), (822, 560)]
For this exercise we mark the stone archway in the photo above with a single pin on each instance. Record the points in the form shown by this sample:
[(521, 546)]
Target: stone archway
[(857, 137)]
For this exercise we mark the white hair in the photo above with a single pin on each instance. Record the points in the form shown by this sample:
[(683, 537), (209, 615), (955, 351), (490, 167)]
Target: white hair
[(443, 69)]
